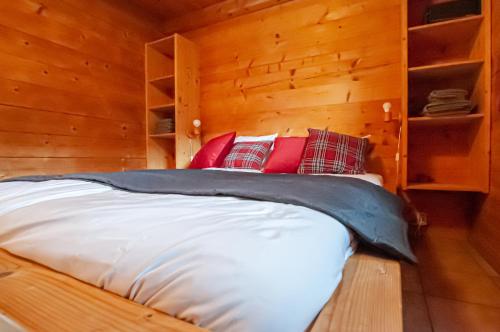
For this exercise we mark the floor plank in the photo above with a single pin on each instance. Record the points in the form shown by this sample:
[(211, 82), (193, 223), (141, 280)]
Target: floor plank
[(416, 315), (449, 315), (465, 287), (410, 278), (454, 289)]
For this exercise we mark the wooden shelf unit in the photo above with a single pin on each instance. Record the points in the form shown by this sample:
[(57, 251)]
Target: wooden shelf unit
[(440, 187), (445, 70), (165, 136), (446, 153), (444, 120), (172, 91), (164, 83), (445, 28), (163, 108)]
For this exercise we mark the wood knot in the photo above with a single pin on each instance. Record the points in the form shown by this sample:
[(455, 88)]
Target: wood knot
[(41, 9), (355, 63)]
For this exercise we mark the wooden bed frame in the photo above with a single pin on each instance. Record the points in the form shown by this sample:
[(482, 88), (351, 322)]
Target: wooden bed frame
[(39, 299)]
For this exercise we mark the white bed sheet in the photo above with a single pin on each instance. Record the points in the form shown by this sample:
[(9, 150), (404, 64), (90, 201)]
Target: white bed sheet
[(225, 263), (376, 179)]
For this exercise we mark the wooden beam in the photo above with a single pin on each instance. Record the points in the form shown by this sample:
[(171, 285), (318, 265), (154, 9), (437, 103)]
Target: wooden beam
[(369, 298), (217, 13)]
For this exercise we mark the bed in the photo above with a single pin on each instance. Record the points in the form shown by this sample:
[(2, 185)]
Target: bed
[(202, 257)]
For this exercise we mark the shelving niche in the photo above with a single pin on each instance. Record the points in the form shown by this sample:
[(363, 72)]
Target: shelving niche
[(172, 91), (446, 153)]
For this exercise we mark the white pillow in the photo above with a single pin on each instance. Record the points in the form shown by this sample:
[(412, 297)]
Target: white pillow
[(268, 138), (370, 177), (243, 170)]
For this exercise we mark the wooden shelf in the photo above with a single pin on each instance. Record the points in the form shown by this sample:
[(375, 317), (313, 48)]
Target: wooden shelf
[(164, 83), (445, 70), (449, 27), (164, 136), (443, 187), (163, 108), (444, 120), (171, 75), (449, 153), (451, 40), (165, 46)]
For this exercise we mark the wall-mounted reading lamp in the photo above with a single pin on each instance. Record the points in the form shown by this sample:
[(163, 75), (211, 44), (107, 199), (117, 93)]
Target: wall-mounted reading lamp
[(195, 132), (387, 112)]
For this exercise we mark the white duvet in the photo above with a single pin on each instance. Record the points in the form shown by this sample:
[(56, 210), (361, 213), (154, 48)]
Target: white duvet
[(224, 263)]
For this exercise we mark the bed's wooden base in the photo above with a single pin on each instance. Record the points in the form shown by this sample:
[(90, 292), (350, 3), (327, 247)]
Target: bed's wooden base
[(368, 299), (39, 299)]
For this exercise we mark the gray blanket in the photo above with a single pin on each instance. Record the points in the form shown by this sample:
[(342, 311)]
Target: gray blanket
[(369, 210)]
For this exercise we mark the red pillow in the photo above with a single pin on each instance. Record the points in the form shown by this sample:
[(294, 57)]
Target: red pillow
[(332, 153), (247, 155), (212, 154), (286, 155)]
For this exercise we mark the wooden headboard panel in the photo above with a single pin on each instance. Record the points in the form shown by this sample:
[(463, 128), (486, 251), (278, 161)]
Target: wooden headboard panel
[(306, 63)]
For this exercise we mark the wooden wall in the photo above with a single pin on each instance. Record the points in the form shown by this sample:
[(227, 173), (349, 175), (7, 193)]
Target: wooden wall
[(306, 63), (72, 86), (486, 232)]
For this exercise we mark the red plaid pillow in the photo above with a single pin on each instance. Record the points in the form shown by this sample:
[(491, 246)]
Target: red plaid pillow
[(247, 155), (332, 153)]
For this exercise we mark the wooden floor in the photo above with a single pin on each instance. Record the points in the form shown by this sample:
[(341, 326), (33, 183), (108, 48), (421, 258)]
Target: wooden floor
[(453, 288)]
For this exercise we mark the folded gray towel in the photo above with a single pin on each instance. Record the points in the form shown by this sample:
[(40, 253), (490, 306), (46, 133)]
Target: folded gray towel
[(448, 94), (164, 126), (448, 113), (448, 102), (448, 108)]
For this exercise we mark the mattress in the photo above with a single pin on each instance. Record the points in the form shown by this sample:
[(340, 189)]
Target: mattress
[(223, 263), (376, 179)]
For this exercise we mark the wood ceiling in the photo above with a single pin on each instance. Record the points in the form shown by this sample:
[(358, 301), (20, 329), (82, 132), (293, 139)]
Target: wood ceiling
[(166, 9)]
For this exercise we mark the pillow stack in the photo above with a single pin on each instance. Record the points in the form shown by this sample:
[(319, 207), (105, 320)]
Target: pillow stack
[(323, 152)]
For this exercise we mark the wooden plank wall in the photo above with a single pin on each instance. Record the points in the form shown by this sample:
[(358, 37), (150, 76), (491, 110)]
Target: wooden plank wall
[(216, 12), (306, 63), (486, 232), (72, 86)]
